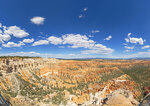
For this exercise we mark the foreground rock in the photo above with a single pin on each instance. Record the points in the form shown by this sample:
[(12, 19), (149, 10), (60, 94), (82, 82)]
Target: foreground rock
[(120, 97)]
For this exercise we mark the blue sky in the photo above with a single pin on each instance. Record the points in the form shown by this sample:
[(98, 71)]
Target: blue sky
[(75, 28)]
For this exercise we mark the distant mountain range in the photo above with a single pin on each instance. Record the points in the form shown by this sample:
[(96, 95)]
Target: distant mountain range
[(136, 58), (141, 58)]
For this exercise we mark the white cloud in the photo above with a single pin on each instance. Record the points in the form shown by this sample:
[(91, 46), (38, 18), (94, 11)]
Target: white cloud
[(61, 46), (12, 44), (37, 20), (4, 37), (137, 40), (127, 47), (90, 36), (0, 31), (98, 49), (125, 44), (21, 54), (0, 25), (42, 37), (129, 34), (108, 38), (81, 16), (40, 42), (32, 53), (85, 9), (142, 54), (145, 47), (15, 31), (138, 54), (95, 31), (55, 40), (6, 32), (127, 50), (134, 40), (28, 40), (126, 39), (77, 40)]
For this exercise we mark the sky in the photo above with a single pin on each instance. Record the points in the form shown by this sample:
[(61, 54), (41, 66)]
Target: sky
[(75, 28)]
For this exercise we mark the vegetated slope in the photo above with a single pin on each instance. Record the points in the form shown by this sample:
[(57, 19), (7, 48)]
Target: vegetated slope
[(140, 74)]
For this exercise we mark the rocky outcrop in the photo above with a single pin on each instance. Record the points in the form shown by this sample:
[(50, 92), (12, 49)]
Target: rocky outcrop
[(120, 97), (18, 64), (10, 67), (117, 91)]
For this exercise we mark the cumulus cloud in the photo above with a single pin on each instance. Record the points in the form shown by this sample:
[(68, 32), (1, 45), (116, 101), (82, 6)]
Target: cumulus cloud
[(4, 37), (61, 46), (146, 47), (85, 9), (32, 53), (6, 32), (81, 16), (137, 40), (37, 20), (15, 31), (127, 50), (76, 41), (55, 40), (12, 44), (90, 36), (127, 47), (108, 38), (40, 42), (0, 25), (98, 49), (95, 31), (129, 34), (126, 39), (28, 40), (142, 54), (134, 40)]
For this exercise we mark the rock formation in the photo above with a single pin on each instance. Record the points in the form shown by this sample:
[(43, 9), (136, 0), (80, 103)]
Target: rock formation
[(48, 81)]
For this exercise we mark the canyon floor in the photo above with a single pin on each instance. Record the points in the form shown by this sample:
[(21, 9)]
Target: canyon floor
[(34, 81)]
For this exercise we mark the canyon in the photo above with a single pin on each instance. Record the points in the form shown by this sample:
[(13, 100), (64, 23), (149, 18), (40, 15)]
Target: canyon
[(96, 82)]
